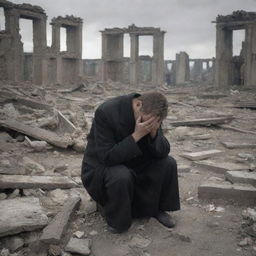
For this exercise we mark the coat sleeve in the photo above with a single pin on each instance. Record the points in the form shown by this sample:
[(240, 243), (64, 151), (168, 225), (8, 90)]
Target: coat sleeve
[(109, 151), (159, 146)]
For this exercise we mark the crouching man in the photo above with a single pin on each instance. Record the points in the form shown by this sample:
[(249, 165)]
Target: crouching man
[(126, 167)]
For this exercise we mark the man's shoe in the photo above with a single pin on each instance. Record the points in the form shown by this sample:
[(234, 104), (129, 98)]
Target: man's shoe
[(165, 219)]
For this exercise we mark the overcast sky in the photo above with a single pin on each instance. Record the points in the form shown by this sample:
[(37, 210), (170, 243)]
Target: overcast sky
[(187, 22)]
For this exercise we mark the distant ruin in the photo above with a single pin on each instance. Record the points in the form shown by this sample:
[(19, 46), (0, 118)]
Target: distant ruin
[(235, 69), (113, 57), (46, 65)]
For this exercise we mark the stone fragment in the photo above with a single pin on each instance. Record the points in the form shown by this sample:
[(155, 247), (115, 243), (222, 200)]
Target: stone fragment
[(13, 243), (32, 167), (183, 168), (38, 145), (59, 196), (93, 233), (80, 246), (241, 177), (236, 192), (43, 182), (233, 145), (33, 192), (14, 194), (250, 214), (78, 234), (245, 242), (54, 250), (3, 196), (220, 167), (60, 168), (139, 241), (53, 232), (21, 214), (79, 145), (201, 155)]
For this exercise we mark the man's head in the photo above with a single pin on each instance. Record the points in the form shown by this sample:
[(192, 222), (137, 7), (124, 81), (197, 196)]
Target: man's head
[(151, 104)]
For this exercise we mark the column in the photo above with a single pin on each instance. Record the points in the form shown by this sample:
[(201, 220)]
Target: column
[(224, 47), (134, 59), (250, 56), (158, 59), (56, 37), (104, 39)]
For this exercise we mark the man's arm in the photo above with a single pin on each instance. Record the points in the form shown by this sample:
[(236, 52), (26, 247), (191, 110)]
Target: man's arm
[(109, 152)]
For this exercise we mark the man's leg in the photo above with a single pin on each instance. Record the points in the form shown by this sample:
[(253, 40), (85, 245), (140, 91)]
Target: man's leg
[(156, 187), (119, 185)]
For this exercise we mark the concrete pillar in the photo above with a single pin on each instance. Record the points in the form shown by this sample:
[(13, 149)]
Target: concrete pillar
[(104, 57), (56, 37), (39, 75), (158, 59), (224, 54), (182, 68), (134, 59), (250, 56), (197, 71), (15, 63)]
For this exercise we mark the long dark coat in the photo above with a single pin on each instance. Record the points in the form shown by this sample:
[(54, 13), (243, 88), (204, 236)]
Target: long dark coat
[(110, 143)]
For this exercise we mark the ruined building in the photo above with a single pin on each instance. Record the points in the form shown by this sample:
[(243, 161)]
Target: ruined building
[(113, 61), (235, 69), (47, 65)]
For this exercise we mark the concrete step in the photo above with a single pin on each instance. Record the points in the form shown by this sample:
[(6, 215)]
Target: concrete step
[(201, 155), (241, 193), (241, 177)]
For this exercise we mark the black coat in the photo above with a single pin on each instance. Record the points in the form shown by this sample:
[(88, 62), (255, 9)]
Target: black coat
[(110, 143)]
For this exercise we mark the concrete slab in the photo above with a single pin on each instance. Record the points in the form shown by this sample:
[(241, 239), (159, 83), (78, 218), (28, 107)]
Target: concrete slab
[(235, 145), (201, 155), (241, 177), (220, 167), (44, 182), (80, 246), (21, 214), (224, 190), (53, 232)]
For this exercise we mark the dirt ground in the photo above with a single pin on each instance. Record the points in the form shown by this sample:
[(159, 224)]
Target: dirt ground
[(213, 227)]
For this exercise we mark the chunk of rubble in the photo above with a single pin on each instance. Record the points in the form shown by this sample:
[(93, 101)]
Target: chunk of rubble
[(220, 167), (201, 155), (31, 166), (43, 182), (52, 234), (241, 177), (38, 145), (236, 145), (241, 193), (21, 214), (250, 214), (80, 246), (139, 241)]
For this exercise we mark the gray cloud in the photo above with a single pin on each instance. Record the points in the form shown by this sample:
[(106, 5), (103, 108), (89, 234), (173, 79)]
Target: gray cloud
[(187, 22)]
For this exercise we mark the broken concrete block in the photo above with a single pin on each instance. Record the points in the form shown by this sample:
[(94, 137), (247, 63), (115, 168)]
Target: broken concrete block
[(13, 243), (232, 145), (139, 241), (37, 133), (32, 167), (224, 190), (14, 194), (220, 167), (183, 168), (53, 232), (21, 214), (38, 145), (64, 124), (43, 182), (80, 246), (201, 155), (241, 177), (79, 145)]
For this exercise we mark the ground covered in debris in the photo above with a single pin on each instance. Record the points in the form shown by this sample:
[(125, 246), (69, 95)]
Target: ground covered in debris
[(44, 209)]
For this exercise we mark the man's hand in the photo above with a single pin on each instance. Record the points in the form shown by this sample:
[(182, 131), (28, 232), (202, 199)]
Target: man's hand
[(155, 126), (144, 128)]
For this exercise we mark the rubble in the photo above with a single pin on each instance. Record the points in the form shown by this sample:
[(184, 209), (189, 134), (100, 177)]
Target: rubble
[(201, 155), (80, 246)]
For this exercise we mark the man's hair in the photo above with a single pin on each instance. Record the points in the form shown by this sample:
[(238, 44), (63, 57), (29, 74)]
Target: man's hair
[(154, 103)]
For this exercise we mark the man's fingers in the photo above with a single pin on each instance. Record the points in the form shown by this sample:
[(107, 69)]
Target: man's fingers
[(149, 121), (138, 119)]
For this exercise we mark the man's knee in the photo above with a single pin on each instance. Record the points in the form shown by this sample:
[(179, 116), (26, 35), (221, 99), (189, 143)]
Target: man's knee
[(168, 162), (118, 174)]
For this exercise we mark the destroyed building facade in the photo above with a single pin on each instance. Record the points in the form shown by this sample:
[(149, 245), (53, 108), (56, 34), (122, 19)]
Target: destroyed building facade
[(113, 54), (46, 65), (235, 69)]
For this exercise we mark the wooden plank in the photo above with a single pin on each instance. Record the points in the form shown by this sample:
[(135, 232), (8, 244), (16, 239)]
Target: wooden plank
[(37, 133), (21, 214), (202, 121), (43, 182), (52, 234)]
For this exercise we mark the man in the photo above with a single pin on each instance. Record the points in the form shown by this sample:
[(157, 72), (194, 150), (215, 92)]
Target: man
[(126, 167)]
